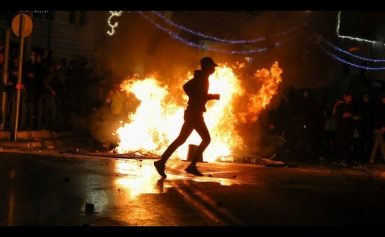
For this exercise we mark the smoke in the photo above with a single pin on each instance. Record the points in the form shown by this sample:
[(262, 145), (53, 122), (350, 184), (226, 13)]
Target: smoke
[(138, 47)]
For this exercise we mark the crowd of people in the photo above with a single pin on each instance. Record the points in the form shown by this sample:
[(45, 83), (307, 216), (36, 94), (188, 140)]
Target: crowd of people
[(347, 131), (53, 93)]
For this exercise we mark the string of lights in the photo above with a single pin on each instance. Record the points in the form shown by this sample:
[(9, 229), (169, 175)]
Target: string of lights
[(205, 36), (349, 37), (249, 51), (291, 29), (189, 43), (111, 32), (176, 36), (341, 60), (350, 54)]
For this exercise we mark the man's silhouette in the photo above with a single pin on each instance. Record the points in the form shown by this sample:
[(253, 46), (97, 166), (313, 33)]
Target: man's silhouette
[(197, 91)]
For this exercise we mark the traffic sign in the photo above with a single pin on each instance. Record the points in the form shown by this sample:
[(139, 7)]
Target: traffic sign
[(27, 25)]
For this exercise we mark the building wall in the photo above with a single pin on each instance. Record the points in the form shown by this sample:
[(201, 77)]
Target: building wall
[(55, 31), (65, 38)]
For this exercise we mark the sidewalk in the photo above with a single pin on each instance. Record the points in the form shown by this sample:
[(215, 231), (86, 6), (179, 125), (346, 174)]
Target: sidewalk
[(79, 142), (376, 170), (42, 139)]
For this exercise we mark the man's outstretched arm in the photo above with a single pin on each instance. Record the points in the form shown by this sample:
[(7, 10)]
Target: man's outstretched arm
[(213, 96)]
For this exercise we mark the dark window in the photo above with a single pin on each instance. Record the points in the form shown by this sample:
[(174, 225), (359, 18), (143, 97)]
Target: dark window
[(72, 17)]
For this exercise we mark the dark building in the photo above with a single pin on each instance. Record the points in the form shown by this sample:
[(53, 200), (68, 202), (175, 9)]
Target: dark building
[(68, 34)]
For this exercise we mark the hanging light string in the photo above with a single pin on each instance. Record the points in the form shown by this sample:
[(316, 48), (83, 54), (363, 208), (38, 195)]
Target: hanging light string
[(328, 43), (294, 28), (111, 32), (346, 36), (228, 41), (189, 43), (320, 39), (250, 51), (344, 61), (205, 36), (185, 41)]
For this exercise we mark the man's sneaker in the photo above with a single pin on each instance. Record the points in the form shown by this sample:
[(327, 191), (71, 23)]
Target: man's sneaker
[(160, 166), (192, 169)]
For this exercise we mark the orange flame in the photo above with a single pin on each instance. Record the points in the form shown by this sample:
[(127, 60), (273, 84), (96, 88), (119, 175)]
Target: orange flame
[(270, 81), (157, 121)]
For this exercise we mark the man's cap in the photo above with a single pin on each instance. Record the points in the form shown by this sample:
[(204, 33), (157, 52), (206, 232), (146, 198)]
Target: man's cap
[(208, 62)]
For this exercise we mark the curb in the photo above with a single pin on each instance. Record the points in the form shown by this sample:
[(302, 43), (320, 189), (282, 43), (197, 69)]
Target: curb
[(376, 173), (44, 143)]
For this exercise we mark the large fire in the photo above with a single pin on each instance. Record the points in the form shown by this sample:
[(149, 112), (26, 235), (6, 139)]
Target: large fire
[(157, 121), (270, 80)]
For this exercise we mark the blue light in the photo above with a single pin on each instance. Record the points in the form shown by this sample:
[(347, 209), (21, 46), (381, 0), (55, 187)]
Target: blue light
[(207, 36), (352, 64), (200, 34), (350, 54), (183, 40)]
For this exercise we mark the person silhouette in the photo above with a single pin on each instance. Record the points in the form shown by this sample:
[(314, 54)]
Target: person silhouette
[(197, 91)]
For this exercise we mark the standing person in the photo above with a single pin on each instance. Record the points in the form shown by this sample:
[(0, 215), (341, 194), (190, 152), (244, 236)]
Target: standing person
[(365, 128), (345, 114), (197, 91), (379, 130)]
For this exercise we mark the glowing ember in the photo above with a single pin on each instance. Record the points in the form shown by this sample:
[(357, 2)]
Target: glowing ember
[(157, 121)]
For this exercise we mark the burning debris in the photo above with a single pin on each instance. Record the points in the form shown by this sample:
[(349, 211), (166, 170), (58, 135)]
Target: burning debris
[(270, 80), (157, 119)]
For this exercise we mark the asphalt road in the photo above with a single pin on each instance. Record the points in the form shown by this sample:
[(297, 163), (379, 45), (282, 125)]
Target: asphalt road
[(52, 189)]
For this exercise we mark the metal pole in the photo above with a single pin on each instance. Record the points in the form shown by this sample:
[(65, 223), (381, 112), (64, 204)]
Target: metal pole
[(19, 75), (5, 78)]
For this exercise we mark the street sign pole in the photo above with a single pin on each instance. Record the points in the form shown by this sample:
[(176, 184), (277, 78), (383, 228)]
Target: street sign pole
[(19, 75)]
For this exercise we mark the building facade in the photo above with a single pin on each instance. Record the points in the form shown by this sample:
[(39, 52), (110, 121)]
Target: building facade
[(69, 34)]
